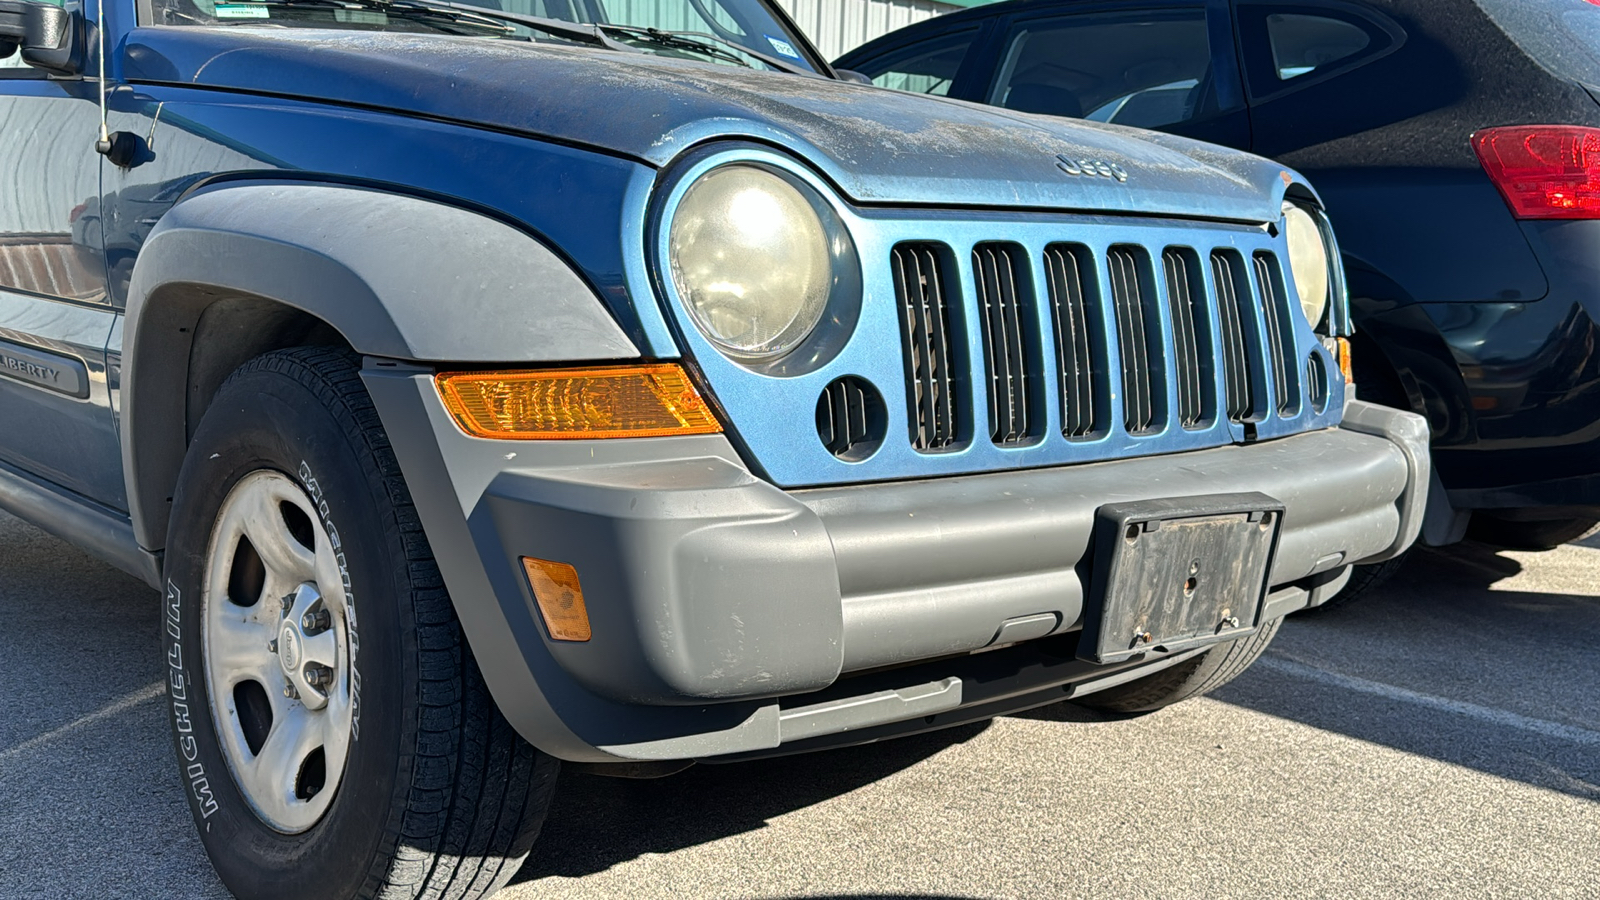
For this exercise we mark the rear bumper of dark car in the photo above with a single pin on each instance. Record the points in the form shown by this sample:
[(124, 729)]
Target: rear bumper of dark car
[(732, 617), (1511, 388)]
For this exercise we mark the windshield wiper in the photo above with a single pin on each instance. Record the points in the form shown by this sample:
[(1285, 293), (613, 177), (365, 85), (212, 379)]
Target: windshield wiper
[(404, 10), (572, 31), (701, 42)]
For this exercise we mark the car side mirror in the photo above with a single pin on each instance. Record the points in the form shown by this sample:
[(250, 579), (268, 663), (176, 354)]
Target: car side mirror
[(50, 37), (852, 75)]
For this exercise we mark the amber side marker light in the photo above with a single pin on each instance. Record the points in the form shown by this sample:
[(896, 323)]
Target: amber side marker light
[(555, 586), (1345, 369), (653, 400)]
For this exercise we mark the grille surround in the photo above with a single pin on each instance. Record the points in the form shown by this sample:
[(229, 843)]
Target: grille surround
[(766, 410)]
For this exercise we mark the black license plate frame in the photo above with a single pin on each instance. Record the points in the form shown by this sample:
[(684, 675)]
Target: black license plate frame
[(1174, 574)]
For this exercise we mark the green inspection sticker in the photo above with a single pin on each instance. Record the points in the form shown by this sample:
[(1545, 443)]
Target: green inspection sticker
[(242, 11)]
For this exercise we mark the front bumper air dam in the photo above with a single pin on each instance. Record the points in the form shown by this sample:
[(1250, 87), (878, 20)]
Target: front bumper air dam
[(713, 593)]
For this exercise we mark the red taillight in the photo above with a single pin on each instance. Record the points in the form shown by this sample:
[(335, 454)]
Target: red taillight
[(1544, 171)]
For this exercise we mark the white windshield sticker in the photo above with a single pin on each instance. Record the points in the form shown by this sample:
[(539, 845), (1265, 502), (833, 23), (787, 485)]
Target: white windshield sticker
[(783, 47), (241, 11)]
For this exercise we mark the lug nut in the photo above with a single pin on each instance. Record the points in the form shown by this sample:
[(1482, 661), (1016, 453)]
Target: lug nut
[(289, 693), (318, 676), (272, 646), (287, 602), (317, 621)]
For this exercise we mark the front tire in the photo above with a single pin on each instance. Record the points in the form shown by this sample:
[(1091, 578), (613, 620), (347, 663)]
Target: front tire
[(334, 735), (1190, 678)]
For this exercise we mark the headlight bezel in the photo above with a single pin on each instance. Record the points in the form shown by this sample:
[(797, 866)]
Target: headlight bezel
[(841, 309)]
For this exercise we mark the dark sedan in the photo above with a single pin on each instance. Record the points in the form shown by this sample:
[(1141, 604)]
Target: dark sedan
[(1456, 145)]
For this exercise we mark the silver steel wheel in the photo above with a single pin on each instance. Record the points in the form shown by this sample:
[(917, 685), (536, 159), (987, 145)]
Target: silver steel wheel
[(278, 647)]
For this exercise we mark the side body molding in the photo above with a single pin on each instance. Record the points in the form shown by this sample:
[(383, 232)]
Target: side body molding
[(396, 276)]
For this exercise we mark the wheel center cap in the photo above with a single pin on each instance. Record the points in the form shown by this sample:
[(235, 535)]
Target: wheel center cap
[(289, 648)]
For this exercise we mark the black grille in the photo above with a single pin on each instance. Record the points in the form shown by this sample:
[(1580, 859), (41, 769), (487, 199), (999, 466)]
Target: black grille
[(919, 284), (1233, 292), (1131, 297), (850, 418), (1006, 317), (1190, 342), (1071, 284), (1280, 337)]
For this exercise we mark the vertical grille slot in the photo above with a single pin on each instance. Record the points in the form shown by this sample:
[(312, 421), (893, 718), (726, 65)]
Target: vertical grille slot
[(1191, 343), (1010, 340), (1280, 334), (922, 289), (1138, 325), (1072, 293), (1233, 291)]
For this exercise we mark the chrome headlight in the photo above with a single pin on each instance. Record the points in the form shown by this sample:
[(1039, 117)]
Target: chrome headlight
[(753, 260), (1308, 262)]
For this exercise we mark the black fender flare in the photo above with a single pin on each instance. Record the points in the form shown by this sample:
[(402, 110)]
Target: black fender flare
[(396, 276)]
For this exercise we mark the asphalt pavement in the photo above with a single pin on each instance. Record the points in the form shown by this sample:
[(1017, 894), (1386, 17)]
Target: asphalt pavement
[(1439, 739)]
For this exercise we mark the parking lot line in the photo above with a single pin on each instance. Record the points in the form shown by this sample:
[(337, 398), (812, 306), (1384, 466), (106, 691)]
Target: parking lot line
[(1288, 665), (115, 707)]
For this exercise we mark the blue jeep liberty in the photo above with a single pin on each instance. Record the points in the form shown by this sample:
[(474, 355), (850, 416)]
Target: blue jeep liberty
[(491, 388)]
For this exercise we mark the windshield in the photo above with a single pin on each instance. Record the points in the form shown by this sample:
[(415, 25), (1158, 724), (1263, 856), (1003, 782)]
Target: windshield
[(725, 32)]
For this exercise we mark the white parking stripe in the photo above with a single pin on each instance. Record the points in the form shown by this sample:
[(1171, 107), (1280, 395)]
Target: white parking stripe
[(1279, 662), (144, 694)]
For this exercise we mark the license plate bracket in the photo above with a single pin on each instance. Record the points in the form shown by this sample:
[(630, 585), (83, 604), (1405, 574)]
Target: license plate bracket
[(1174, 574)]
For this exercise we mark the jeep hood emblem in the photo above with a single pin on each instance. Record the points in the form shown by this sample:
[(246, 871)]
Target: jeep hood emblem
[(1090, 167)]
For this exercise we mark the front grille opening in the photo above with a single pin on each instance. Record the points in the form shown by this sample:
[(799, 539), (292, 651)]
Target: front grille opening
[(851, 420), (1317, 382), (1075, 302), (1191, 336), (1009, 322), (932, 345), (1234, 326), (1133, 299), (1276, 317)]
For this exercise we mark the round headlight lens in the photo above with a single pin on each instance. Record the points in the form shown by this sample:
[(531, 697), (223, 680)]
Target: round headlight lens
[(752, 260), (1308, 261)]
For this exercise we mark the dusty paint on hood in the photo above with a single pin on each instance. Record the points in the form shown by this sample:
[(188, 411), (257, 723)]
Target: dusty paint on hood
[(878, 146)]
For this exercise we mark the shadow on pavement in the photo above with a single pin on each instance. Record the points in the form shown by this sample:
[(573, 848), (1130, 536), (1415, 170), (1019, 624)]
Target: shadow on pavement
[(606, 821), (1441, 664)]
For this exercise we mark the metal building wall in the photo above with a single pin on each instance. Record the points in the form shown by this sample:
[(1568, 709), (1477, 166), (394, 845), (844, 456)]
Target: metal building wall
[(839, 25)]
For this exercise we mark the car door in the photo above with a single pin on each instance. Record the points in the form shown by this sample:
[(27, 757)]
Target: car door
[(55, 316), (1169, 66)]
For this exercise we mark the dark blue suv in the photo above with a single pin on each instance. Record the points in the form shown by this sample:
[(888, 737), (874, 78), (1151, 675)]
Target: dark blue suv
[(488, 389), (1457, 143)]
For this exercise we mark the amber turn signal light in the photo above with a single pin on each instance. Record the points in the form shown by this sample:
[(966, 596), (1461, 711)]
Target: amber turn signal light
[(654, 400), (555, 587), (1344, 360)]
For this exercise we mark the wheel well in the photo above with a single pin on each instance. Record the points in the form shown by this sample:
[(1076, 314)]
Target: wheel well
[(189, 339), (235, 330)]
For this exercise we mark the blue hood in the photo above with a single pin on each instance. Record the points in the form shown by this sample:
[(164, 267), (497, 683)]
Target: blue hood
[(878, 146)]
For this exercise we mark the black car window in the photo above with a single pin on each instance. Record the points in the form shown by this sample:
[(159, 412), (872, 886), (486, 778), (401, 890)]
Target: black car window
[(1301, 44), (927, 68), (1286, 46), (1149, 68)]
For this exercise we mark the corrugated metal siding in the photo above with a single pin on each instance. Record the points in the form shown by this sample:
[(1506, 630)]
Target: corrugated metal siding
[(833, 25), (839, 25)]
